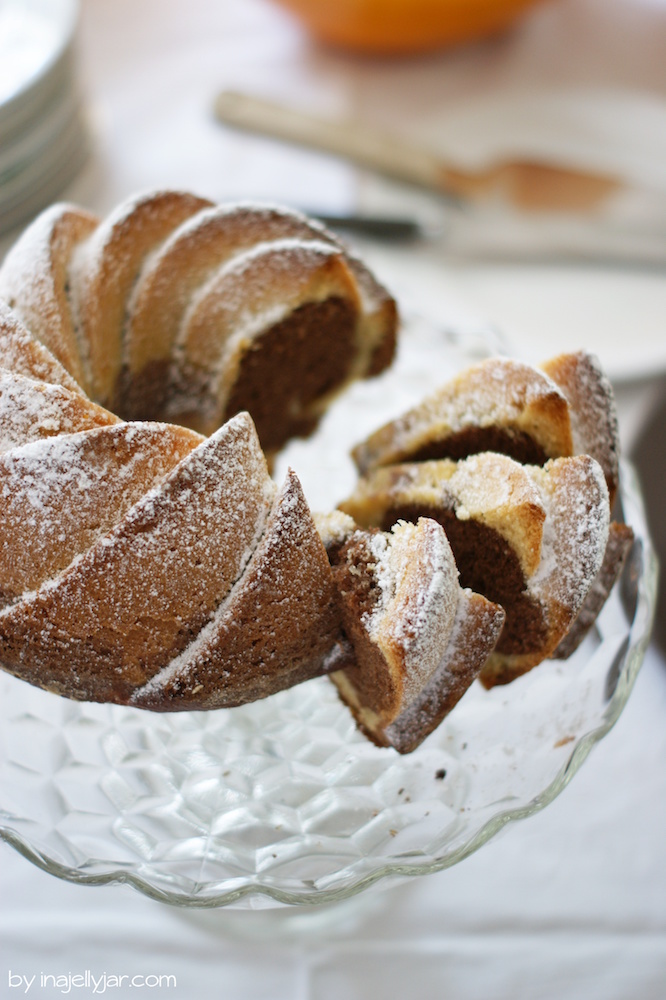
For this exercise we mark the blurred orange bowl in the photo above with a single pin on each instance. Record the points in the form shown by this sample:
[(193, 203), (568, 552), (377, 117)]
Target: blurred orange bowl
[(403, 26)]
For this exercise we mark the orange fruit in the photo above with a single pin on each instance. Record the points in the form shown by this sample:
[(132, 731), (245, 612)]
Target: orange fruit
[(403, 26)]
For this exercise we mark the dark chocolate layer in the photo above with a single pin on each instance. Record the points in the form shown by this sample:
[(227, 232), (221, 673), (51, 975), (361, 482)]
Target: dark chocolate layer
[(489, 566), (143, 395), (290, 366), (474, 440), (353, 573)]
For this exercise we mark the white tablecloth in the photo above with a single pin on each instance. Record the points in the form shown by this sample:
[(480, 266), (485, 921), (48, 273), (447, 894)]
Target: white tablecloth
[(568, 903)]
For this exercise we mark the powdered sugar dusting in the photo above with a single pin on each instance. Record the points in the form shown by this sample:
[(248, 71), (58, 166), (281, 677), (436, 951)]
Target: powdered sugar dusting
[(59, 495), (418, 583), (163, 570), (33, 281), (281, 597), (384, 578), (430, 577), (334, 528), (31, 410), (479, 482), (592, 407), (20, 352), (105, 268), (576, 532), (475, 631)]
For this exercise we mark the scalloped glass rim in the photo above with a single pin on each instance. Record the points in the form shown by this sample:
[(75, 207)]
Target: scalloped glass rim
[(616, 655)]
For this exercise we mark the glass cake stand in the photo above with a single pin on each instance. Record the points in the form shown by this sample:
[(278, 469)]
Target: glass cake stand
[(283, 801)]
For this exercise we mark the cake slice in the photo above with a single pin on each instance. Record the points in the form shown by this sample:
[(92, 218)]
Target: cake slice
[(415, 639), (497, 405), (528, 538), (562, 408)]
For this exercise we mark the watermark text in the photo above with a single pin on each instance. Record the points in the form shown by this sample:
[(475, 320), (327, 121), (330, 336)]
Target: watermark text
[(95, 984)]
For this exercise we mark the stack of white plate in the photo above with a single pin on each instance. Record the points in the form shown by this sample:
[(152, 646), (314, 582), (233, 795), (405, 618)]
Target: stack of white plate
[(42, 130)]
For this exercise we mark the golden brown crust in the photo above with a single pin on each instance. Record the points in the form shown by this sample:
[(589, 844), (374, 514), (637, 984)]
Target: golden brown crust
[(110, 301), (575, 540), (23, 354), (592, 408), (620, 540), (61, 494), (104, 270), (275, 628), (140, 594), (32, 410)]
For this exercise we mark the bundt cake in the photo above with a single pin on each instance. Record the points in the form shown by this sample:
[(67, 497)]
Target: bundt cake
[(174, 309), (529, 538), (562, 408), (415, 639), (149, 559)]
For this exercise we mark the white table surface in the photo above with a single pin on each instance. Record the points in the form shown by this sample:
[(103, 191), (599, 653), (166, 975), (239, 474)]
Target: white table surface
[(570, 903)]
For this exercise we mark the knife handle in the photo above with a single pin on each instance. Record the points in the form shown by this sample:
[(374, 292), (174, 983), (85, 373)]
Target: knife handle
[(344, 138)]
